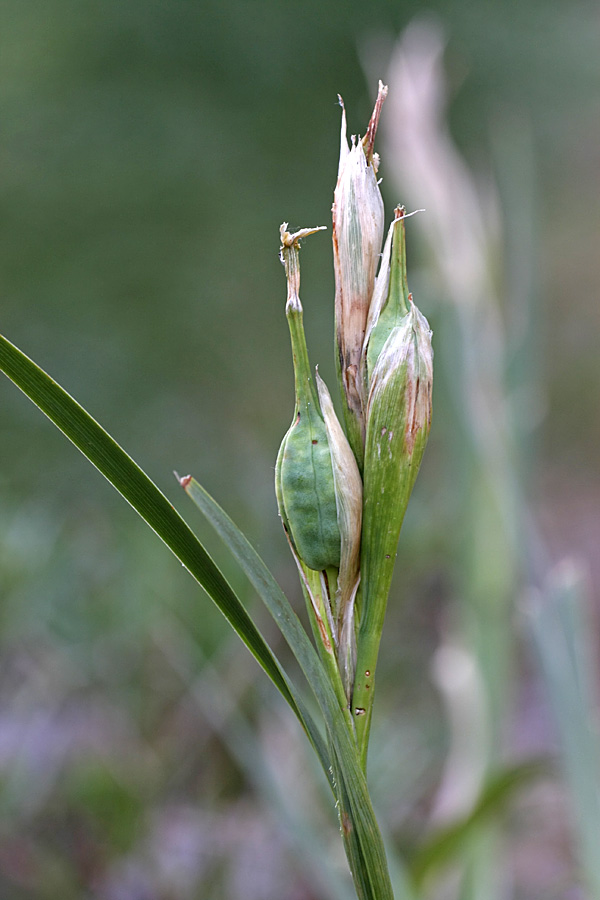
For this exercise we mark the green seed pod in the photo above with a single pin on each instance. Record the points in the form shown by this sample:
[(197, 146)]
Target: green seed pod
[(348, 491), (304, 480), (306, 492)]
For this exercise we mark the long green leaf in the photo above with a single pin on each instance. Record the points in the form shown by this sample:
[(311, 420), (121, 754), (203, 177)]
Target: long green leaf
[(143, 495), (262, 580), (362, 839), (210, 694)]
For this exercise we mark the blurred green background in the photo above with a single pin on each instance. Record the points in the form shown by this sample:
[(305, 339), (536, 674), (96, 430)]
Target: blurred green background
[(148, 153)]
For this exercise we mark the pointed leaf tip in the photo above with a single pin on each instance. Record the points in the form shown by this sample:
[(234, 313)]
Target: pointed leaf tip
[(369, 138)]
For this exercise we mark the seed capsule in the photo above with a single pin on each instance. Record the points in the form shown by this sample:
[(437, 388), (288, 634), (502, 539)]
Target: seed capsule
[(304, 479), (348, 492)]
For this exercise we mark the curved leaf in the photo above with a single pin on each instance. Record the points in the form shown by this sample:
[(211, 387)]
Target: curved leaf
[(364, 846), (360, 832), (143, 495)]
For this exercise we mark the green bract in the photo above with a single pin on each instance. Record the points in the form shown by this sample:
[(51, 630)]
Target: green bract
[(390, 303), (397, 376)]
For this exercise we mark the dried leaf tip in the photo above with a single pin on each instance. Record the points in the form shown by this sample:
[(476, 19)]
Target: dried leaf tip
[(184, 480), (369, 138)]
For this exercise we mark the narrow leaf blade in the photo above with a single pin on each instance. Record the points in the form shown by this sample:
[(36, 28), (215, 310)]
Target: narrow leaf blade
[(565, 646), (151, 504), (362, 839)]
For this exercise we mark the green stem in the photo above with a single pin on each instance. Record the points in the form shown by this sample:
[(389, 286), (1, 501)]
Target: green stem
[(364, 691), (306, 393), (325, 638)]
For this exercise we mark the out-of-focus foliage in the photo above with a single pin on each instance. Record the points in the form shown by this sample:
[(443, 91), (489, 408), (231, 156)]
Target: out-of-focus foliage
[(148, 153)]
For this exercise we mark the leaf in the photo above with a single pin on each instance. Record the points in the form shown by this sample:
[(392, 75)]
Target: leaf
[(362, 839), (151, 504), (363, 842), (247, 747), (262, 580)]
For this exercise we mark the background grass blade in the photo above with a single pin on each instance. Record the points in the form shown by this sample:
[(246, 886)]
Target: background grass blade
[(564, 642), (447, 845), (143, 495)]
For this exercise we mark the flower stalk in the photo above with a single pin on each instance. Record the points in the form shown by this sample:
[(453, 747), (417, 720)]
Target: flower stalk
[(342, 494)]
